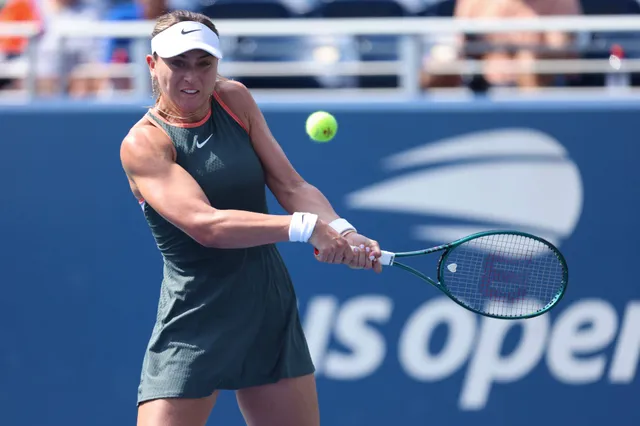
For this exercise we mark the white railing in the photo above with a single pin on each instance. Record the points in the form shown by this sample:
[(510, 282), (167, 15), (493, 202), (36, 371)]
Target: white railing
[(411, 30), (363, 26)]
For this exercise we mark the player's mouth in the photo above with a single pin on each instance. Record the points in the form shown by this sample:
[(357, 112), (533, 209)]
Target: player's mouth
[(190, 91)]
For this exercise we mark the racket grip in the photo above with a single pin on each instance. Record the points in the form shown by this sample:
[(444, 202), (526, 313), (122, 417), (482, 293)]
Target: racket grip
[(385, 259)]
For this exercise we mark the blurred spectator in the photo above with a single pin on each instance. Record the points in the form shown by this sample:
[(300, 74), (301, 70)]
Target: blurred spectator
[(416, 6), (13, 47), (58, 57), (16, 11), (507, 48), (118, 50), (300, 7)]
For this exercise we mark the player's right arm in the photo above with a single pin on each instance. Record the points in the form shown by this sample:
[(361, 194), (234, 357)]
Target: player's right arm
[(148, 158)]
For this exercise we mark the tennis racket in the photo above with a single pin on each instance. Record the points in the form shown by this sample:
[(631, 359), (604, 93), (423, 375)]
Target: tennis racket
[(497, 274)]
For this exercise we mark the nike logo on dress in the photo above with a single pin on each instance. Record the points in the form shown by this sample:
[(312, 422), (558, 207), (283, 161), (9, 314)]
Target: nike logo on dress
[(187, 32), (200, 145)]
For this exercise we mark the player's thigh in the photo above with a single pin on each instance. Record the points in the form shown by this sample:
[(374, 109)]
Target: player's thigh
[(289, 402), (176, 411)]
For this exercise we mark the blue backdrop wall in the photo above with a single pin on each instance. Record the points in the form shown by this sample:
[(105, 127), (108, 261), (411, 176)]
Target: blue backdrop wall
[(81, 274)]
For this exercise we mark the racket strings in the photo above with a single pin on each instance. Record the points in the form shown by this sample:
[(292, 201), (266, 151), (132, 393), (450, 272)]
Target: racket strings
[(504, 274)]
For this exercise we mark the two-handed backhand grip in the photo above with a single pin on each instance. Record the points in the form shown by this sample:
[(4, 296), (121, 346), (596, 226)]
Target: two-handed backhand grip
[(386, 259)]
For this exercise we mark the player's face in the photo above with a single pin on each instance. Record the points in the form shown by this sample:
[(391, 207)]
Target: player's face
[(188, 80)]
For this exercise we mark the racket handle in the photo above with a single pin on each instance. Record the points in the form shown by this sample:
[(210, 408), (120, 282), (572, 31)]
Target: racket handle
[(385, 259)]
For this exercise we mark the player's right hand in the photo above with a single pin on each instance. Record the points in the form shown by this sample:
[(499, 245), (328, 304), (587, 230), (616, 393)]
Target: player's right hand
[(330, 247)]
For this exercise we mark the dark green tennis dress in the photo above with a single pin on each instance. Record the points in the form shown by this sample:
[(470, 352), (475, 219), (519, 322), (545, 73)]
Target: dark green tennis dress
[(227, 318)]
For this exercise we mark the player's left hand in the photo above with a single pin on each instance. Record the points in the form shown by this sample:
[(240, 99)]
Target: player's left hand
[(367, 252)]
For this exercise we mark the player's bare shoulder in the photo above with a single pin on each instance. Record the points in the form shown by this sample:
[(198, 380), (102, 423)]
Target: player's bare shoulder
[(238, 98), (144, 144), (231, 88)]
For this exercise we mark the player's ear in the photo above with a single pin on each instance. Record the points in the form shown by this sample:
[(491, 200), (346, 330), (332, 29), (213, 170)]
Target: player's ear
[(151, 62)]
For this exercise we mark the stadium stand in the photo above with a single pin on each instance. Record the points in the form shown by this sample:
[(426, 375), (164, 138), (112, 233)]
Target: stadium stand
[(108, 53), (263, 49)]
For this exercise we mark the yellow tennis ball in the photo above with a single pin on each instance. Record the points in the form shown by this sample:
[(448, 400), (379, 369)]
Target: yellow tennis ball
[(321, 126)]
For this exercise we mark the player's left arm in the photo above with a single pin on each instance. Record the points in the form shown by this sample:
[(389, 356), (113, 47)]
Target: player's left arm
[(290, 189)]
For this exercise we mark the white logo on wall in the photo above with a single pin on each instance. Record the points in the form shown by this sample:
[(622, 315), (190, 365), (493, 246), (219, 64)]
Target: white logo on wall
[(508, 178), (511, 178)]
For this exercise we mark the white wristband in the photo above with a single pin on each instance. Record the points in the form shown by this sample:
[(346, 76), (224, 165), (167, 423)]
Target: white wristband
[(301, 227), (341, 225)]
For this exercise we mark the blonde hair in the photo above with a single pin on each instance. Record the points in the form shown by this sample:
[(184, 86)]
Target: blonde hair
[(168, 20)]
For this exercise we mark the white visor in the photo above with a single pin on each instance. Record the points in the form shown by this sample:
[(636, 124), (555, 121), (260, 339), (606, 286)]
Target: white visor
[(183, 37)]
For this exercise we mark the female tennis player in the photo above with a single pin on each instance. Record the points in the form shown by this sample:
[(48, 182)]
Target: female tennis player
[(227, 318)]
